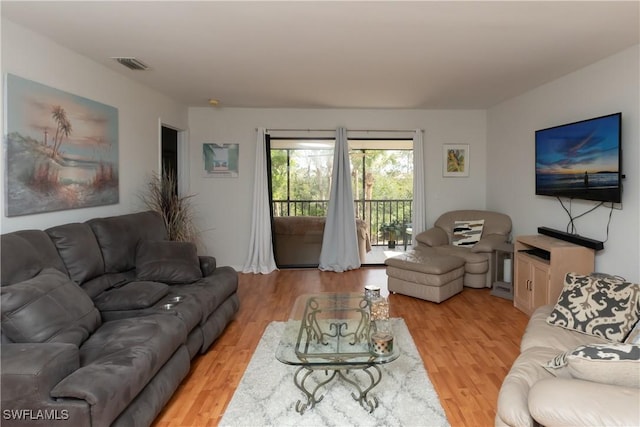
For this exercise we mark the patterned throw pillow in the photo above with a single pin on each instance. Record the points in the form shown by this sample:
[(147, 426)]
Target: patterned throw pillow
[(467, 233), (601, 306), (614, 363)]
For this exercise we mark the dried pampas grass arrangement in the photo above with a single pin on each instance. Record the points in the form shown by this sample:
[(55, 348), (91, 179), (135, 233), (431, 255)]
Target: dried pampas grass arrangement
[(176, 210)]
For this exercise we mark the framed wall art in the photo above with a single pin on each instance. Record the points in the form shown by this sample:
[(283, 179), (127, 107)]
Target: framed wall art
[(455, 160), (221, 160), (61, 150)]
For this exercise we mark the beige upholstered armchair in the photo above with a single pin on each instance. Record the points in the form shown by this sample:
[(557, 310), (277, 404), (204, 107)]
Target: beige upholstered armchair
[(472, 235)]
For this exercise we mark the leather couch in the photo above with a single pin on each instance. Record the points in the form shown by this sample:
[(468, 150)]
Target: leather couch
[(591, 391), (298, 240), (479, 258), (101, 319)]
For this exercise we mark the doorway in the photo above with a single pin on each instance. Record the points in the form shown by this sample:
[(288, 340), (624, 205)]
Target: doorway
[(170, 156)]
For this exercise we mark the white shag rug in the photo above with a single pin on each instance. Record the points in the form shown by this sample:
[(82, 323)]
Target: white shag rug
[(267, 395)]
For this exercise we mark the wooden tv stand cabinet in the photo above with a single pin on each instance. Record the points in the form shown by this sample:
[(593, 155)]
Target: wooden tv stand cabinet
[(540, 265)]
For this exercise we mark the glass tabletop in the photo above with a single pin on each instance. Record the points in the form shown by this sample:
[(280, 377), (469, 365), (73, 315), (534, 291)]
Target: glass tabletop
[(330, 329)]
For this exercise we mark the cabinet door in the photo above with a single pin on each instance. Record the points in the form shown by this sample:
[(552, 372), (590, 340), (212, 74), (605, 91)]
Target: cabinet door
[(522, 292), (540, 273)]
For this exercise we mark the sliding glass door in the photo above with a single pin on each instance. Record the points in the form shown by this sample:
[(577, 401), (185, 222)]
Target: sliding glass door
[(382, 172), (300, 174), (300, 184)]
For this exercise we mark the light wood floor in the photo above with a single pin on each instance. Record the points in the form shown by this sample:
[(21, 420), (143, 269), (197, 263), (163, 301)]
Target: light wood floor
[(467, 343)]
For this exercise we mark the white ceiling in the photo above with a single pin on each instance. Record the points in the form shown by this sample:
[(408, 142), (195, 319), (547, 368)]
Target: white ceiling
[(373, 54)]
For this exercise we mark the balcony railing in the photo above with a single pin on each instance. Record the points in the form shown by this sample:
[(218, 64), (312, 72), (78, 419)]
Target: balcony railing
[(374, 212)]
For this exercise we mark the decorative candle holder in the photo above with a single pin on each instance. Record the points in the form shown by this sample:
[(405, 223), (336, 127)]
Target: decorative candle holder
[(371, 292), (382, 343), (380, 334), (379, 309)]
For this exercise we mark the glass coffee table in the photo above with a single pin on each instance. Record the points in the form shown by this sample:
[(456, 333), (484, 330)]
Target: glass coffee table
[(328, 336)]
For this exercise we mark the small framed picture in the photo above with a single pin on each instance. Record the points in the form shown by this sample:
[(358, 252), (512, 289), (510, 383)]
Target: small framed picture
[(220, 160), (455, 161)]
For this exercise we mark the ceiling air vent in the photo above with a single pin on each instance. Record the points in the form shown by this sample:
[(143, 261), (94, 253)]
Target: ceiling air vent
[(132, 63)]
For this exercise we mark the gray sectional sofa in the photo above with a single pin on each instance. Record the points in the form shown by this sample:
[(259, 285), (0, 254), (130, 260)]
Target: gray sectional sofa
[(100, 320)]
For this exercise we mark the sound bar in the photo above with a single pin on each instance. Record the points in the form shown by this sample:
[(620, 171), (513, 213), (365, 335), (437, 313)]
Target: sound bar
[(573, 238)]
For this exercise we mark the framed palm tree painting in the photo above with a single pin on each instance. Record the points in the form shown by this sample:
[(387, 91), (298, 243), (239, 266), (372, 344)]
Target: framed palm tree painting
[(61, 150)]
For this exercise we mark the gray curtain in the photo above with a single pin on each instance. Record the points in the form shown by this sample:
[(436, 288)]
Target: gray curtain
[(340, 243), (260, 259)]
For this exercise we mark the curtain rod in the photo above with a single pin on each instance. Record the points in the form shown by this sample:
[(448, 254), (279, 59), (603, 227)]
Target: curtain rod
[(348, 130)]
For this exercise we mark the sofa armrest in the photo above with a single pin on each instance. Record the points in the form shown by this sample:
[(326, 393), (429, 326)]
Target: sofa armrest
[(433, 237), (564, 401), (489, 243), (207, 265), (30, 371)]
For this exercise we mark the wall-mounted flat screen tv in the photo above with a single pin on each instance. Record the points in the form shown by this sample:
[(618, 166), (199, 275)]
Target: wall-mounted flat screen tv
[(581, 160)]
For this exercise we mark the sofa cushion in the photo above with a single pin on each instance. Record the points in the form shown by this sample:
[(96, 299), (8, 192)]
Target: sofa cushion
[(526, 371), (211, 291), (600, 306), (96, 286), (571, 402), (474, 263), (118, 237), (614, 363), (467, 233), (25, 253), (47, 308), (132, 296), (425, 260), (168, 262), (20, 260), (31, 370), (119, 360), (78, 248)]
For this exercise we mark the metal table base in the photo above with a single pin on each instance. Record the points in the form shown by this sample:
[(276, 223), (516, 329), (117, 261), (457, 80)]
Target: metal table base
[(370, 403)]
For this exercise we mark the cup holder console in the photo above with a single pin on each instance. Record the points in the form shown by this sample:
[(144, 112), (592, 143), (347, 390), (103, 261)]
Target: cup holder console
[(171, 302)]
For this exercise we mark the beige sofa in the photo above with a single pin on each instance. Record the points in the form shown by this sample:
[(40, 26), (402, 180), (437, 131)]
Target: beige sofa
[(479, 258), (585, 392), (297, 240)]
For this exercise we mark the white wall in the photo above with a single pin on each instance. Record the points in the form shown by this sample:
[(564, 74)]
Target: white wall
[(140, 110), (225, 204), (608, 86), (501, 140)]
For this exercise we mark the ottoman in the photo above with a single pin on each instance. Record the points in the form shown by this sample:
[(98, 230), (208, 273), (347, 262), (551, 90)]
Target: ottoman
[(425, 274)]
